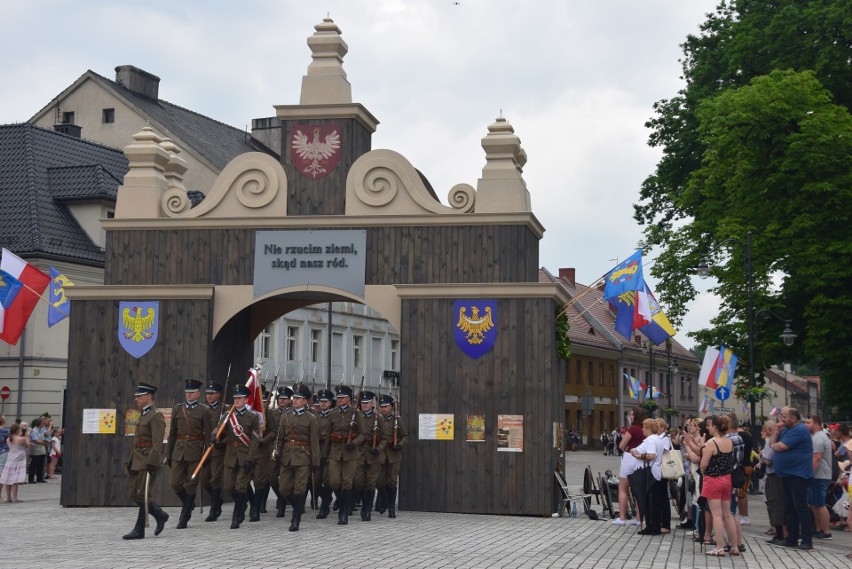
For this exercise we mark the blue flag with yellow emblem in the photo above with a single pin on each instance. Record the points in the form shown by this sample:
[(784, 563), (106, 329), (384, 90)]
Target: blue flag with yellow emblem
[(60, 306), (9, 287), (626, 276)]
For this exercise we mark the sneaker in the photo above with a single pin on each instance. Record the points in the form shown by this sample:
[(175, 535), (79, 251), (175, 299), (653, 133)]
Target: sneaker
[(619, 522), (822, 535), (635, 523), (744, 520)]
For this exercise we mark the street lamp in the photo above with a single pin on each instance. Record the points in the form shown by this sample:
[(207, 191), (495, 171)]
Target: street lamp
[(788, 336)]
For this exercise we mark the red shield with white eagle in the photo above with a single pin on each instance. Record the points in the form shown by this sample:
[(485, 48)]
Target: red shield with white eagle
[(315, 149)]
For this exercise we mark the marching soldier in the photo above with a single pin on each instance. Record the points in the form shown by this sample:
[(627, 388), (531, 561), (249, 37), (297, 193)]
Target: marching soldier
[(261, 456), (346, 436), (215, 467), (325, 398), (242, 431), (395, 437), (275, 423), (372, 455), (189, 430), (299, 454), (146, 456)]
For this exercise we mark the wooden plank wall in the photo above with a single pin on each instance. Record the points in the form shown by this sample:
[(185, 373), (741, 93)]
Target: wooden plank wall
[(521, 375), (395, 255), (326, 195), (102, 375)]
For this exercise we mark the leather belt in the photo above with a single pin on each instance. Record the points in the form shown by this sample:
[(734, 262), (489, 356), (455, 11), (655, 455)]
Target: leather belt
[(295, 443), (191, 438), (143, 444), (236, 444), (335, 438)]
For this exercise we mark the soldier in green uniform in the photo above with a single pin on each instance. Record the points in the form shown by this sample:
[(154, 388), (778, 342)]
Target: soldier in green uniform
[(261, 456), (274, 423), (214, 469), (242, 433), (189, 431), (395, 437), (346, 436), (299, 453), (372, 455), (326, 399), (146, 456)]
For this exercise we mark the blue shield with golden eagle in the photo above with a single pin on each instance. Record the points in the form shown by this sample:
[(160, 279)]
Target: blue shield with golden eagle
[(475, 326), (138, 323)]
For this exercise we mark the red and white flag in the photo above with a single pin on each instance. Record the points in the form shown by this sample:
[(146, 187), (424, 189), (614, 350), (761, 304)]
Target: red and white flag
[(34, 282), (255, 397)]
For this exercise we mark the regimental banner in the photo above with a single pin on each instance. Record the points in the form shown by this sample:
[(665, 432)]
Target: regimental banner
[(475, 326), (315, 149), (138, 324)]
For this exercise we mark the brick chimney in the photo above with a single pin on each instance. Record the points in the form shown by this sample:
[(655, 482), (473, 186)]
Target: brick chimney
[(568, 275), (138, 81)]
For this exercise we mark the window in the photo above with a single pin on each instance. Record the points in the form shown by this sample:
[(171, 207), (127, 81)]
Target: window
[(377, 360), (264, 343), (337, 350), (600, 374), (108, 116), (611, 377), (591, 376), (357, 356), (292, 344), (394, 355), (68, 117), (316, 338)]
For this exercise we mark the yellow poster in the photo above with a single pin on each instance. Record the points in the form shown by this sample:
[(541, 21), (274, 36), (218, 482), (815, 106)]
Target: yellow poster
[(131, 419), (99, 421), (475, 432), (436, 426)]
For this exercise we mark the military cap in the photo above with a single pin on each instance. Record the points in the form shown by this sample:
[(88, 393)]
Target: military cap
[(385, 400), (144, 389), (343, 391), (215, 387), (325, 395), (192, 385), (302, 391), (241, 391), (285, 392), (367, 396)]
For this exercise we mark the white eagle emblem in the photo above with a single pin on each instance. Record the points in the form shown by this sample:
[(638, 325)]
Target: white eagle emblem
[(313, 151), (476, 326)]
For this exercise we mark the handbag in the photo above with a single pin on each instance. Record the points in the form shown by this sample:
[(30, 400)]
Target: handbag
[(672, 465)]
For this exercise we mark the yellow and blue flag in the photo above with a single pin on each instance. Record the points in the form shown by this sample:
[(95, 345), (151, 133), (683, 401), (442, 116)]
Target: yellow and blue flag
[(627, 275), (9, 287), (60, 306), (658, 329), (632, 386)]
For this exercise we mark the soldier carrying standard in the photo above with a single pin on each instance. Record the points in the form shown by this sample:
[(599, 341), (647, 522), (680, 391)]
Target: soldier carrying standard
[(299, 453), (146, 456), (189, 430), (243, 431)]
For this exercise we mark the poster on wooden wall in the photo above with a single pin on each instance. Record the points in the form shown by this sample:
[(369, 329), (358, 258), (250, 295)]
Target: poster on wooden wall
[(436, 427), (131, 419), (510, 433), (475, 431), (98, 422)]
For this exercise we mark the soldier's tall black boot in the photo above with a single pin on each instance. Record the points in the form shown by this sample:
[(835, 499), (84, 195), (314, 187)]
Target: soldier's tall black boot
[(391, 490), (280, 503), (186, 511), (181, 521), (254, 504), (367, 505), (215, 505), (264, 496), (381, 501), (325, 501), (343, 512), (138, 531), (160, 516), (298, 509), (239, 509)]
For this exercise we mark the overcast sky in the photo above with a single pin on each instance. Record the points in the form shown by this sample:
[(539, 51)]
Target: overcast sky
[(577, 81)]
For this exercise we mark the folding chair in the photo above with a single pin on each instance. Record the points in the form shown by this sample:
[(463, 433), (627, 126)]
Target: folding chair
[(567, 495)]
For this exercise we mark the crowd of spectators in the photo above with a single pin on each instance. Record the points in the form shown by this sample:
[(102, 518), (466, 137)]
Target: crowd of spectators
[(29, 453)]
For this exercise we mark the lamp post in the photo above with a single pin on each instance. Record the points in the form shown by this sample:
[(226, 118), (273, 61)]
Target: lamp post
[(650, 384), (788, 336)]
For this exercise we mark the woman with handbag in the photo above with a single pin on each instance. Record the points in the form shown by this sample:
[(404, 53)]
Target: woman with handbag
[(650, 454)]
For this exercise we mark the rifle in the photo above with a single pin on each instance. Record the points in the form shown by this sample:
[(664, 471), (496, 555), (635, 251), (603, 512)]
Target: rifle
[(376, 414), (355, 410), (280, 419)]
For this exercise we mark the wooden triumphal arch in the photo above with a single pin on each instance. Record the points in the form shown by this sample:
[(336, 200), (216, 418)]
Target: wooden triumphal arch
[(333, 220)]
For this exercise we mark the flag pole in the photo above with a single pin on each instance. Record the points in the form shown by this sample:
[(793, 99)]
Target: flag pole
[(41, 297)]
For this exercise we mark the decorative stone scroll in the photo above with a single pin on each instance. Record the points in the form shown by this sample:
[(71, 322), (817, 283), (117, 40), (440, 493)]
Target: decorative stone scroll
[(383, 182), (252, 184)]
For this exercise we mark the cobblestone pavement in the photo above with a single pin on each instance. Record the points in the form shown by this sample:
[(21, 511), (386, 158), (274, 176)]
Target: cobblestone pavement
[(39, 531)]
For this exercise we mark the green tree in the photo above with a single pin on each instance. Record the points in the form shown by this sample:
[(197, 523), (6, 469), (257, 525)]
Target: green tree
[(759, 142)]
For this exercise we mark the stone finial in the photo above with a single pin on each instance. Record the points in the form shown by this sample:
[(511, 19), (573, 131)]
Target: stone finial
[(325, 82), (145, 182), (501, 187), (176, 167)]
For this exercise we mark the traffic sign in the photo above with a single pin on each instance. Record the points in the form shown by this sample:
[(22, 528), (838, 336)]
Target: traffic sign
[(722, 392), (5, 392)]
